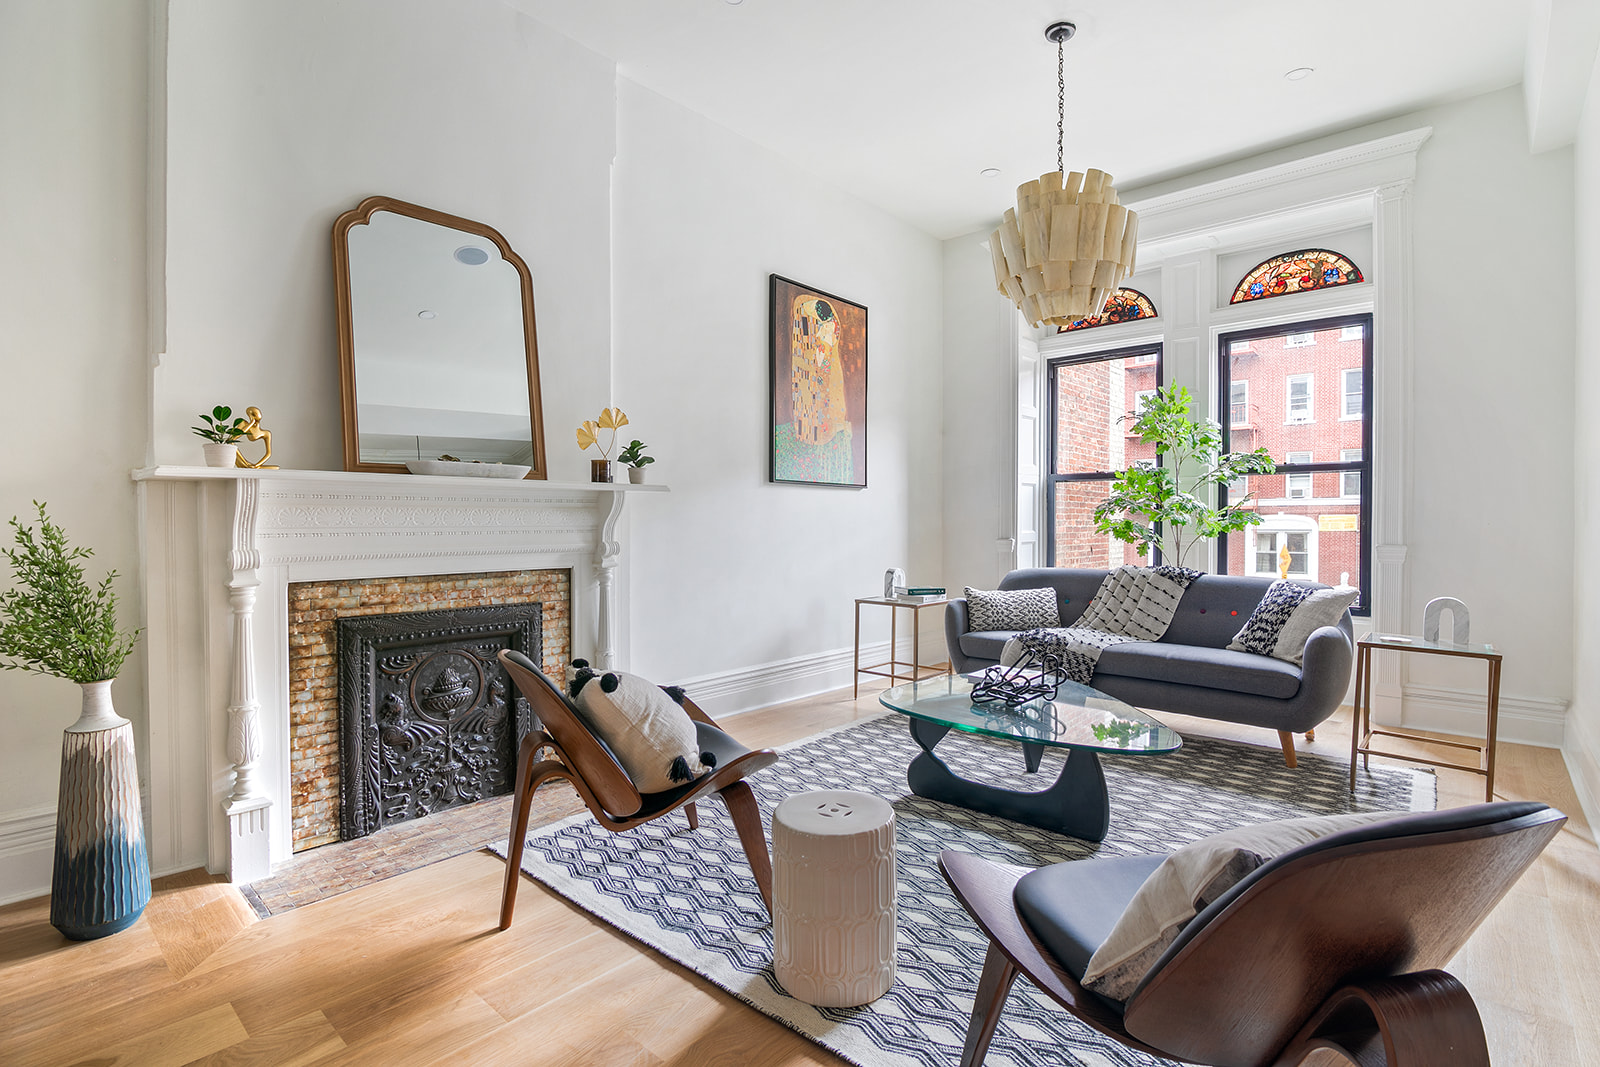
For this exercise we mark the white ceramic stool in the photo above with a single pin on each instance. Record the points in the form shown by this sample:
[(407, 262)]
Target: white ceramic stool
[(833, 925)]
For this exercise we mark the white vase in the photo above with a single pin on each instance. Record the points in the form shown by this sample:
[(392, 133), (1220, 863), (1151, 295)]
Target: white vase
[(220, 455), (102, 873), (636, 475)]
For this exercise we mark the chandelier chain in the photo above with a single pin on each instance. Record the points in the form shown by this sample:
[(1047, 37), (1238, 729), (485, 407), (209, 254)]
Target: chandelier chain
[(1061, 100)]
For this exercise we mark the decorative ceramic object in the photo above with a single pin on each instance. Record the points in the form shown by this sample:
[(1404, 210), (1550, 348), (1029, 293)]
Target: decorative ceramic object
[(600, 470), (220, 455), (833, 923), (461, 469), (1460, 620), (636, 475), (102, 873)]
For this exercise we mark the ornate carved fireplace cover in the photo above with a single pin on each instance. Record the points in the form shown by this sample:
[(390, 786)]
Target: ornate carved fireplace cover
[(429, 719)]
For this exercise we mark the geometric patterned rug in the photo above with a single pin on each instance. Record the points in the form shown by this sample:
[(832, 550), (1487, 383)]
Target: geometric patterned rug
[(690, 895)]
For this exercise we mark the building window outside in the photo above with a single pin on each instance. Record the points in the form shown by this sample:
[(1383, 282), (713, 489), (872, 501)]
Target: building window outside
[(1299, 394), (1300, 340), (1139, 398), (1350, 481), (1091, 398), (1297, 486), (1352, 394), (1318, 502), (1239, 403)]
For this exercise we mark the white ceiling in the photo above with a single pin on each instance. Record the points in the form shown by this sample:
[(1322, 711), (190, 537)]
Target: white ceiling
[(903, 103)]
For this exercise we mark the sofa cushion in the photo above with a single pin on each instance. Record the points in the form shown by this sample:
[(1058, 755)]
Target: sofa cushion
[(1209, 668), (1017, 609), (986, 644), (1213, 609)]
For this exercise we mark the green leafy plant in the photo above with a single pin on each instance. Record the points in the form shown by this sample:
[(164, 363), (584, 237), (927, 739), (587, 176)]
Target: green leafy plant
[(1162, 505), (634, 455), (217, 427), (52, 621)]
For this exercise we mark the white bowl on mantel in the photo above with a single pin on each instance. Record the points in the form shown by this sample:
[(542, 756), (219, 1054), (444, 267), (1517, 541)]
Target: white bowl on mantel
[(463, 469)]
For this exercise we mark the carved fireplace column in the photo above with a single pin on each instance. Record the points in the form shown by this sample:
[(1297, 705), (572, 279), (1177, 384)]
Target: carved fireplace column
[(248, 807)]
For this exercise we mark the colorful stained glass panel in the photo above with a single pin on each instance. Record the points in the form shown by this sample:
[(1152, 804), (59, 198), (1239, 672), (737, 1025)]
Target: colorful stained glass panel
[(1124, 305), (1296, 272)]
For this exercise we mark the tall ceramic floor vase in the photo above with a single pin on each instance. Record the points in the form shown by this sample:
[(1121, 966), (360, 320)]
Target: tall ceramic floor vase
[(102, 875)]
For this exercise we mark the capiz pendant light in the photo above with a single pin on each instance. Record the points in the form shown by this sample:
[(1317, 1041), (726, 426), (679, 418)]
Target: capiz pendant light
[(1066, 246)]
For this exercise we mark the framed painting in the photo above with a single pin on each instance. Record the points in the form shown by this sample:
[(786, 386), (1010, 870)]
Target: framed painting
[(819, 387)]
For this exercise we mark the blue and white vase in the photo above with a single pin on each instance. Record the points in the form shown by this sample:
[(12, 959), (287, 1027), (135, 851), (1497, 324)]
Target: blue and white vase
[(102, 874)]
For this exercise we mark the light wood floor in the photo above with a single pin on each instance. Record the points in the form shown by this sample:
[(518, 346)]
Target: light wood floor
[(411, 970)]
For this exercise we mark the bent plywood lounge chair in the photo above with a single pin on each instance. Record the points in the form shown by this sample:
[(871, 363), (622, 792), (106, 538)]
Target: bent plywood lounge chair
[(1334, 945), (582, 758)]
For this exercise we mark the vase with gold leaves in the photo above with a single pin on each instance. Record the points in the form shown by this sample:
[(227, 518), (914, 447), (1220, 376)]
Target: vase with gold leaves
[(589, 434)]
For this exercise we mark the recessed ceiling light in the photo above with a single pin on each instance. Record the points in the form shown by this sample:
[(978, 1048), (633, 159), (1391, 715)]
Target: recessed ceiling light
[(472, 256), (1300, 73), (734, 3), (426, 314), (990, 172)]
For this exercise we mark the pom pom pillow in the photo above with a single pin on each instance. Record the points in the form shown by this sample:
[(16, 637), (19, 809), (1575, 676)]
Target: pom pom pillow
[(646, 729)]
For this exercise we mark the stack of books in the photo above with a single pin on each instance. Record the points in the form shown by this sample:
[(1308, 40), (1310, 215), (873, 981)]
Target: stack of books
[(920, 594)]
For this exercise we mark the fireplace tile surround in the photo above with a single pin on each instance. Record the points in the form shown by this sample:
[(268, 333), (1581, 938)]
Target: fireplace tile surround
[(221, 548)]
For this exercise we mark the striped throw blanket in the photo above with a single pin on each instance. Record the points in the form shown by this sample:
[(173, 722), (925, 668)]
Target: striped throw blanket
[(1132, 604)]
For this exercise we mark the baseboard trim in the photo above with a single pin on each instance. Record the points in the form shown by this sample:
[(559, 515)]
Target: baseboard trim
[(1583, 767), (1536, 721), (27, 853), (765, 684)]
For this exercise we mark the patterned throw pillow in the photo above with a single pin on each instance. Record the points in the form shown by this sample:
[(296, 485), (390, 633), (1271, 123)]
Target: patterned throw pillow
[(1011, 609), (1325, 607), (1260, 632)]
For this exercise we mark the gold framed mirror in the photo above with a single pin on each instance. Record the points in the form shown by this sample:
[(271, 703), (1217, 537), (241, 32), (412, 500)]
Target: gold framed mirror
[(438, 354)]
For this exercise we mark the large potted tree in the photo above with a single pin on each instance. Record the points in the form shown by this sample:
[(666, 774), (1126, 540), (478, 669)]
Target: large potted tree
[(1165, 504), (53, 622)]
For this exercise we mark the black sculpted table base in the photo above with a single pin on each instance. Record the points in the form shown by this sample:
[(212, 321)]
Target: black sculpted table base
[(1077, 804)]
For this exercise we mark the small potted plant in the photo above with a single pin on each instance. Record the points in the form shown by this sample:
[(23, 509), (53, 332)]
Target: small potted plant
[(636, 460), (54, 622), (589, 434), (221, 436)]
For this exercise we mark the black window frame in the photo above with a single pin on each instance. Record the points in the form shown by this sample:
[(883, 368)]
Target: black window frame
[(1225, 342), (1052, 478)]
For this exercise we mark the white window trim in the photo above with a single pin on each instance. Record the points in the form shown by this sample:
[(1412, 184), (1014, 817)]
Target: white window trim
[(1353, 333), (1288, 399), (1303, 339), (1276, 524)]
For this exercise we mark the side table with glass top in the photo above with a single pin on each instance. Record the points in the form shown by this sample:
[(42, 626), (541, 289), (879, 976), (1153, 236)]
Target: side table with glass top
[(916, 668), (1362, 731)]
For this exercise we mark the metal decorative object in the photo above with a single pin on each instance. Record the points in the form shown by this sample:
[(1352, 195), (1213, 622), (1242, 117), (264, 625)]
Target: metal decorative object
[(254, 431), (1036, 676), (1067, 245), (429, 719)]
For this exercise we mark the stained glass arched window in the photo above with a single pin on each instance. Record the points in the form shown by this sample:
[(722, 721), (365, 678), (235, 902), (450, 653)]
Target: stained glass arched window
[(1124, 305), (1296, 272)]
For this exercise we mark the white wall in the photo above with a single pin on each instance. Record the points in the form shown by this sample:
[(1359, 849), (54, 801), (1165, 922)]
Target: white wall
[(285, 114), (72, 342), (1583, 726), (730, 572), (1492, 441)]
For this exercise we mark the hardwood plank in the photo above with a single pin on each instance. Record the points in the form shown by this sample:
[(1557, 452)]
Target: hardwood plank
[(174, 1044), (297, 1043)]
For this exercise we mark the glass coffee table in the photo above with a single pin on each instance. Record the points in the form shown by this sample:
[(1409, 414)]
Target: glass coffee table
[(1082, 720)]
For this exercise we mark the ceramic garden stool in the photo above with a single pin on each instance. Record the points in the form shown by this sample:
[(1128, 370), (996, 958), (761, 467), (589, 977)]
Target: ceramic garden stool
[(833, 916)]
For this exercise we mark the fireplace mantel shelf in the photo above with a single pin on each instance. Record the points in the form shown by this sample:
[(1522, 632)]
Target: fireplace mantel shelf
[(408, 483), (222, 545)]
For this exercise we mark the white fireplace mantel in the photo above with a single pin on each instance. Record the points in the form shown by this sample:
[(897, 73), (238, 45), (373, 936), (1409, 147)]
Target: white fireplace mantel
[(220, 549)]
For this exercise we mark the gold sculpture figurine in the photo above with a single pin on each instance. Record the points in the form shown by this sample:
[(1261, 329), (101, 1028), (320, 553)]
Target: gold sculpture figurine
[(1284, 558), (255, 432)]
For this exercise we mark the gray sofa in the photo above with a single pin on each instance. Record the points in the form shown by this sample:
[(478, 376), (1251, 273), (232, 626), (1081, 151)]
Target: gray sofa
[(1190, 670)]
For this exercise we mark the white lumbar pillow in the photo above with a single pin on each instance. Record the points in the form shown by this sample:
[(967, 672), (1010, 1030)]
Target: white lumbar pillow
[(646, 729)]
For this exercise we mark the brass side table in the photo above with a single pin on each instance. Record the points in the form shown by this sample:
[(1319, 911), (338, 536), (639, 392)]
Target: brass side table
[(1361, 728), (916, 668)]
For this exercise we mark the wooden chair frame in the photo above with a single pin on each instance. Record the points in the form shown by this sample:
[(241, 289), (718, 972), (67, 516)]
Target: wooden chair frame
[(1370, 992), (578, 756)]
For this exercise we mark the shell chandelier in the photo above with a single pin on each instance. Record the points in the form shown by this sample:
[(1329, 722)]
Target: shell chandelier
[(1067, 245)]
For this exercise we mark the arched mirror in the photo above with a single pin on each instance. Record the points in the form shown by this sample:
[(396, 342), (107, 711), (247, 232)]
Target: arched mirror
[(437, 350)]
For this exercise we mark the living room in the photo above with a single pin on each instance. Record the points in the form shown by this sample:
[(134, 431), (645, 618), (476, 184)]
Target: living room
[(170, 189)]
